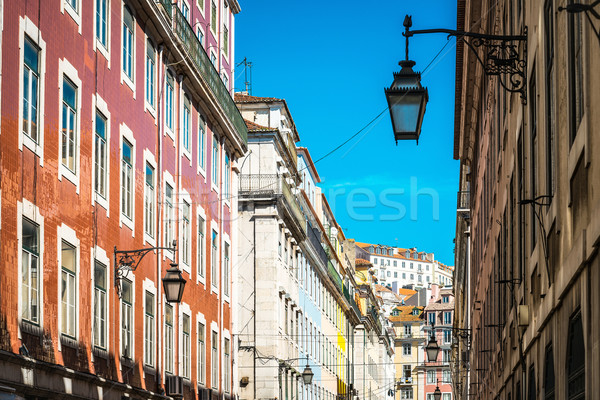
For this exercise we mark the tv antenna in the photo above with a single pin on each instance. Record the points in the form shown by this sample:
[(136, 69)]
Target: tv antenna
[(247, 75)]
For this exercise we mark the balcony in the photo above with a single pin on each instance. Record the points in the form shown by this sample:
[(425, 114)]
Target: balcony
[(405, 380), (463, 204), (205, 69), (272, 187)]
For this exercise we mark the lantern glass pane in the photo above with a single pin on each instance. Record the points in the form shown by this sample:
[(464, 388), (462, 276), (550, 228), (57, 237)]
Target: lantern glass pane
[(405, 110)]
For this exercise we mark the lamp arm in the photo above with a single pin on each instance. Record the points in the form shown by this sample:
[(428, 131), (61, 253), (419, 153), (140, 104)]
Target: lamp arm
[(461, 34)]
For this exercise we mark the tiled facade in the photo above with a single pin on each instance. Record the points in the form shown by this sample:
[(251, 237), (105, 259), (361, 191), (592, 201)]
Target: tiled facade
[(114, 136)]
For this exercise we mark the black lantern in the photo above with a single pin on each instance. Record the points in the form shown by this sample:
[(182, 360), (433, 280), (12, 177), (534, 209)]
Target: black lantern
[(407, 98), (432, 348), (437, 394), (173, 283), (307, 374)]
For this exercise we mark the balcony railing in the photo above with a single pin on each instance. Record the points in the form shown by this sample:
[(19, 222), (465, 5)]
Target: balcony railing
[(463, 201), (335, 276), (206, 70), (314, 237)]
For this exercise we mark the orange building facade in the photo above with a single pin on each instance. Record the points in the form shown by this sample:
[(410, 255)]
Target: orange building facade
[(118, 133)]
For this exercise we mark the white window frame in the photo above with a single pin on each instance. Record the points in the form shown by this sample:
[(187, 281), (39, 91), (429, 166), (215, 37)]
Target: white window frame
[(127, 134), (168, 239), (201, 246), (150, 160), (200, 30), (199, 376), (98, 254), (150, 107), (184, 197), (184, 309), (214, 29), (68, 235), (98, 45), (169, 130), (67, 70), (215, 173), (75, 14), (131, 278), (215, 270), (214, 364), (27, 27), (26, 209), (164, 326), (124, 77), (226, 269), (149, 287), (185, 131), (98, 104), (226, 367), (227, 178)]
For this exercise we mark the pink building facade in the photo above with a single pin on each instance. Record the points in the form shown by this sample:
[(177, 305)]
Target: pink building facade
[(118, 132)]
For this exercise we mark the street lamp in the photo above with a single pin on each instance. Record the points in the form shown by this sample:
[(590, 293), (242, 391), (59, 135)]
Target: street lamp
[(437, 394), (432, 347), (407, 98), (129, 260), (307, 374)]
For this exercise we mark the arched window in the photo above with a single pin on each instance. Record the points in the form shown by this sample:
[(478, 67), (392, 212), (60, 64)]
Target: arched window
[(549, 374), (576, 359)]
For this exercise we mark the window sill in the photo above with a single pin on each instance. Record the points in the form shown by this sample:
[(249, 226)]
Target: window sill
[(128, 82), (100, 353), (68, 341), (103, 50), (149, 370), (35, 147), (64, 172), (31, 328), (127, 362)]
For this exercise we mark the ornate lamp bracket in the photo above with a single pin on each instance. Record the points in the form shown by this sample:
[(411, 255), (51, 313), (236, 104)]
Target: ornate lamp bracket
[(501, 56), (587, 9), (129, 260)]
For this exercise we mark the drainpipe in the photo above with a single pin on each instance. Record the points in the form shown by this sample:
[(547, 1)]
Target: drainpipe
[(159, 176)]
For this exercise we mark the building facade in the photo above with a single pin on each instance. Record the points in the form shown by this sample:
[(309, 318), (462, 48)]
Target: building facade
[(399, 267), (528, 231), (118, 133), (408, 323), (294, 278)]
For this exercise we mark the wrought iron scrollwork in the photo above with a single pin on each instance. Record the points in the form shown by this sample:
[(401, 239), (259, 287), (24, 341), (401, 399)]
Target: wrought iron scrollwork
[(501, 58)]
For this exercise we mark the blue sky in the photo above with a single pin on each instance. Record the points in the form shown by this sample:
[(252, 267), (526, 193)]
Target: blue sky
[(331, 60)]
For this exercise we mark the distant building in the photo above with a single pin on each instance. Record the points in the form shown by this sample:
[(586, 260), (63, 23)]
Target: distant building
[(398, 267)]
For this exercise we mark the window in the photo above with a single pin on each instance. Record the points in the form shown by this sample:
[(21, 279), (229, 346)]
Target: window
[(406, 349), (102, 22), (185, 234), (447, 336), (406, 393), (213, 59), (420, 278), (575, 72), (213, 17), (225, 40), (200, 5), (445, 299), (389, 274), (149, 347), (407, 370), (431, 377), (126, 319), (150, 72), (185, 10), (30, 272), (168, 214), (549, 374), (411, 265), (202, 142), (69, 125), (575, 359), (200, 35), (227, 178), (186, 346), (128, 43), (214, 268), (226, 367), (169, 90), (431, 318), (226, 277), (215, 162), (100, 305), (68, 290), (375, 261), (448, 318), (446, 396), (214, 360), (31, 77), (201, 247), (446, 355), (187, 124), (201, 352), (407, 330), (168, 338), (550, 99), (149, 201), (395, 265), (127, 180), (531, 387), (446, 376), (412, 277), (404, 275), (100, 159), (427, 278), (74, 4)]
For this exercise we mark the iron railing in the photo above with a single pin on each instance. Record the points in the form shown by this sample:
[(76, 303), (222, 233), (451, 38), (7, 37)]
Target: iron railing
[(335, 276), (314, 237), (260, 185), (196, 53)]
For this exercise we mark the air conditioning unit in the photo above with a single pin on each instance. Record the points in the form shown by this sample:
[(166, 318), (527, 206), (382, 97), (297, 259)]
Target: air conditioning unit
[(174, 386)]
